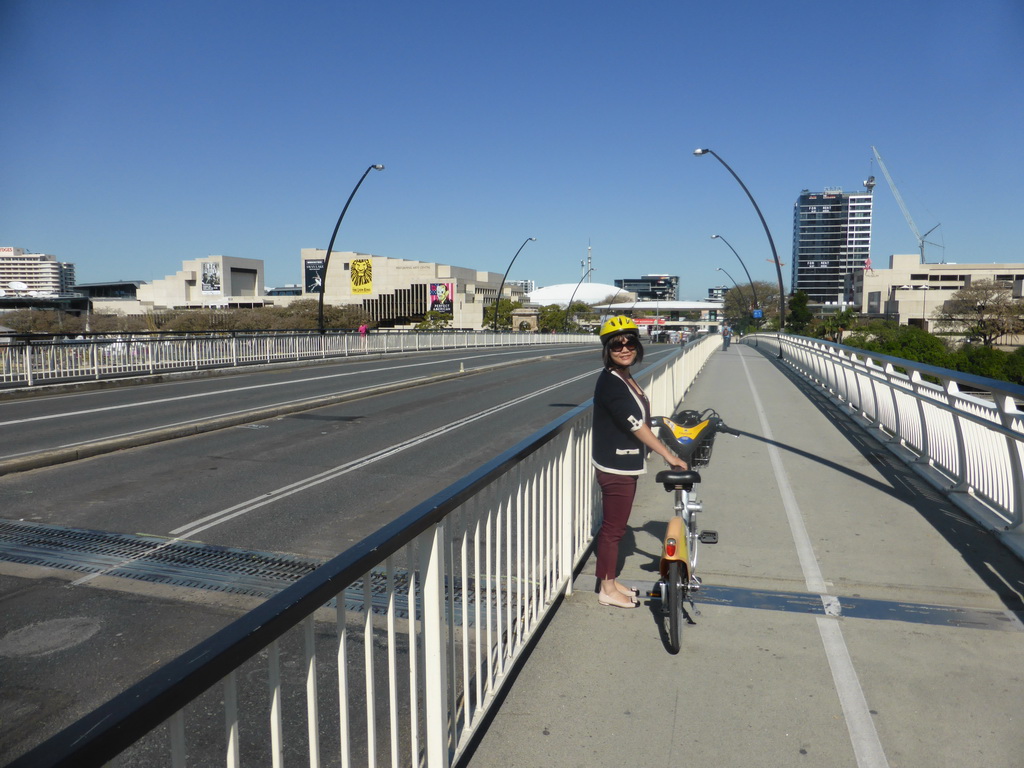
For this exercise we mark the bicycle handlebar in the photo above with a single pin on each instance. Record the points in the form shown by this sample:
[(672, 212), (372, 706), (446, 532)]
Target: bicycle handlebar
[(691, 434)]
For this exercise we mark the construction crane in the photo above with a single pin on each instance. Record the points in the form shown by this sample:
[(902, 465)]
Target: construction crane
[(903, 207)]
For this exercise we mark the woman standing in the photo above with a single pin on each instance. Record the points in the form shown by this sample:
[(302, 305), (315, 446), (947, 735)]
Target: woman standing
[(622, 437)]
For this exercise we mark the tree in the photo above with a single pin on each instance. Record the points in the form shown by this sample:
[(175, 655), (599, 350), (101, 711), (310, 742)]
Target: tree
[(552, 318), (768, 302), (980, 361), (435, 321), (505, 308), (984, 310), (799, 315), (832, 327), (737, 304), (1015, 366), (909, 342), (579, 312)]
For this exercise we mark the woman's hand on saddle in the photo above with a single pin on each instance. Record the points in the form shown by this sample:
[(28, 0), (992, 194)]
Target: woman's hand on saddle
[(675, 462)]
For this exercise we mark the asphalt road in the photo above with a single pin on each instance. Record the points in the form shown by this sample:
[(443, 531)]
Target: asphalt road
[(57, 427), (309, 483)]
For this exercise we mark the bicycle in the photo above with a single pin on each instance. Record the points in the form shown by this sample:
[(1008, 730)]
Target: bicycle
[(691, 436)]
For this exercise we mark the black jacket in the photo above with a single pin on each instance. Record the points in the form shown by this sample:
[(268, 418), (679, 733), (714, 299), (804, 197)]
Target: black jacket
[(618, 412)]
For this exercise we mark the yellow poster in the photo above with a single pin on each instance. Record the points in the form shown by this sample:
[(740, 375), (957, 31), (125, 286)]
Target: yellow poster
[(361, 275)]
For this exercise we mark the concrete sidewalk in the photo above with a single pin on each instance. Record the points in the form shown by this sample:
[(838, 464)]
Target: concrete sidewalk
[(922, 667)]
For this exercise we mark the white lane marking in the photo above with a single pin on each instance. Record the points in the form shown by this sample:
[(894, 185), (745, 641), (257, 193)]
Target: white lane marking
[(867, 747), (832, 605), (197, 526), (205, 418), (214, 393), (863, 736)]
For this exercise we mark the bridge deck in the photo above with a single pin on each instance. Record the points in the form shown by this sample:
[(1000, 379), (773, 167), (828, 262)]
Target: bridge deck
[(921, 666)]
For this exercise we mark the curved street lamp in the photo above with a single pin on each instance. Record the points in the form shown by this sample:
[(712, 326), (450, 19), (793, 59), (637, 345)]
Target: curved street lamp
[(778, 266), (568, 307), (502, 286), (753, 290), (616, 295), (327, 258), (742, 297)]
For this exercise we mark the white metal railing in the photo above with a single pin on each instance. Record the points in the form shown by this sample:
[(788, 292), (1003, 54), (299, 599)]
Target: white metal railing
[(59, 359), (393, 652), (963, 433)]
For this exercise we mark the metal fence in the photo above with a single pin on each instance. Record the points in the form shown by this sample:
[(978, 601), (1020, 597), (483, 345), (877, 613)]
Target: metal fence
[(393, 652), (963, 433), (35, 362)]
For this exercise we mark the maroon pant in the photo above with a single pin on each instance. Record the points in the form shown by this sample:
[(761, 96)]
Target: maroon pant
[(617, 492)]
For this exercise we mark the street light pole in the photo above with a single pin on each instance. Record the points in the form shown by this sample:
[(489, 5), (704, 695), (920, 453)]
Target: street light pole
[(568, 308), (742, 297), (502, 286), (753, 290), (924, 307), (778, 264), (327, 258)]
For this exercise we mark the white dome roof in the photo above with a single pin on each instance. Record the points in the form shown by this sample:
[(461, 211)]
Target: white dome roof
[(588, 293)]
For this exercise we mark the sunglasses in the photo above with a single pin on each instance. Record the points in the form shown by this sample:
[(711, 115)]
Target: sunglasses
[(619, 344)]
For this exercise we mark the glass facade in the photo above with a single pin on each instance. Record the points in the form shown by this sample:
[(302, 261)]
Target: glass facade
[(652, 287), (831, 240)]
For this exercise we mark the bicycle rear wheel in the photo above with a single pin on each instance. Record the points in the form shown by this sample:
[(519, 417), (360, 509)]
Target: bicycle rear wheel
[(676, 592)]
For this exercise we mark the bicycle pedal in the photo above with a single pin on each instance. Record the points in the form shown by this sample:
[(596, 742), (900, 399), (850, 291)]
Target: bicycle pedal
[(708, 537)]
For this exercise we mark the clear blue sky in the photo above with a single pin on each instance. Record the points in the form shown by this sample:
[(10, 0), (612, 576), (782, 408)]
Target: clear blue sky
[(137, 134)]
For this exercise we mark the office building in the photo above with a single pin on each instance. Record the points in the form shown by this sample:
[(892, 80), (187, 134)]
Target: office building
[(910, 292), (399, 292), (831, 240), (40, 273), (525, 286), (652, 287), (216, 281)]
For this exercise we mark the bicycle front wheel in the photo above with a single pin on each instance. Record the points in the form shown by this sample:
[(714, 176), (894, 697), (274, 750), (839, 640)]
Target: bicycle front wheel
[(676, 591)]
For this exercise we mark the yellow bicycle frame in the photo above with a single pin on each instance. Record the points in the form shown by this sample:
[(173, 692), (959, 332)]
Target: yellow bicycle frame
[(676, 530)]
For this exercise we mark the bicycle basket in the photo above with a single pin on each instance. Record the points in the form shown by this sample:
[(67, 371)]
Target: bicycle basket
[(690, 435)]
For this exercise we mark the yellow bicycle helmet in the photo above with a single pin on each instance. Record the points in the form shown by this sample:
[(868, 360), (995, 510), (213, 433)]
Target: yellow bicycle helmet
[(613, 326)]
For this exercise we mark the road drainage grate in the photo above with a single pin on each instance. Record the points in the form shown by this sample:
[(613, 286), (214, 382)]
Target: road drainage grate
[(184, 563)]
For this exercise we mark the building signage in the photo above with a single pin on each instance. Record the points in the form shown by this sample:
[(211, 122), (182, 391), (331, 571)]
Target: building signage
[(441, 297), (361, 276), (314, 275), (649, 320), (211, 278)]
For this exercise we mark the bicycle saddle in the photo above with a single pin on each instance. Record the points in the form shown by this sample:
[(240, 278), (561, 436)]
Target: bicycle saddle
[(674, 478)]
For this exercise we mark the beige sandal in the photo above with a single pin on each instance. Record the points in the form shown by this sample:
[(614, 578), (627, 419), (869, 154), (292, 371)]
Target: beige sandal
[(601, 600)]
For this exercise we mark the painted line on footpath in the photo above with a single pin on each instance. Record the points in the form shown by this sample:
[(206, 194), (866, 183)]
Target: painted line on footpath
[(867, 746)]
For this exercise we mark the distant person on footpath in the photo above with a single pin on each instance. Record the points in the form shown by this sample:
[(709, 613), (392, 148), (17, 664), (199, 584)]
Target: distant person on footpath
[(726, 335), (622, 438)]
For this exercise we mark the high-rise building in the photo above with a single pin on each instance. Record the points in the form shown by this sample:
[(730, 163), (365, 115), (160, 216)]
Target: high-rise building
[(831, 240), (651, 287), (526, 286), (39, 273)]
